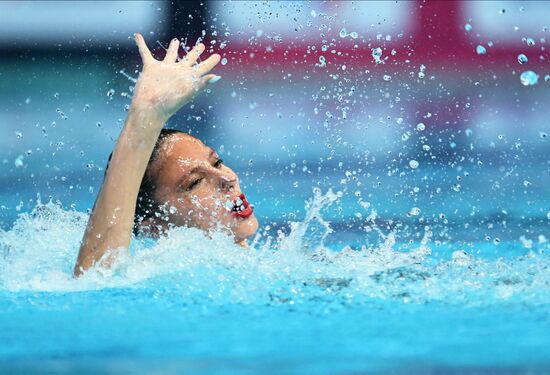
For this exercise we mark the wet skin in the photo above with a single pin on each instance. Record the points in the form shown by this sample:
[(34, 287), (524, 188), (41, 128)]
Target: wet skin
[(197, 190)]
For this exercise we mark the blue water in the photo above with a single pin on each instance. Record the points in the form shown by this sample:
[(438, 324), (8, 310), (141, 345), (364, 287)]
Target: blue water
[(364, 262), (344, 287)]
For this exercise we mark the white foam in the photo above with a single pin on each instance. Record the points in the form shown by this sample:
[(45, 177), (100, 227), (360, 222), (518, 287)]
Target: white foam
[(38, 254)]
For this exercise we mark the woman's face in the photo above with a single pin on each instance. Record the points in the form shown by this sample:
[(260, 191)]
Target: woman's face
[(195, 189)]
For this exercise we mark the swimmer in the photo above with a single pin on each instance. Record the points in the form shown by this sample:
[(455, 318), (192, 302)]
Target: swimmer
[(161, 178)]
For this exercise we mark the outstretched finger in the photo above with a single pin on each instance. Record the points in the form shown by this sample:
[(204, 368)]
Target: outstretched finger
[(208, 64), (144, 52), (172, 51), (192, 56)]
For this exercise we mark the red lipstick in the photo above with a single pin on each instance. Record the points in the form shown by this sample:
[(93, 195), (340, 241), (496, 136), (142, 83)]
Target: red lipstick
[(241, 207)]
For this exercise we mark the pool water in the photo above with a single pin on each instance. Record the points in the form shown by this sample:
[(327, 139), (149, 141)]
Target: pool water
[(342, 289), (401, 182)]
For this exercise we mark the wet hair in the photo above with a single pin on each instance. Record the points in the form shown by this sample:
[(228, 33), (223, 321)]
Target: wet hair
[(146, 205)]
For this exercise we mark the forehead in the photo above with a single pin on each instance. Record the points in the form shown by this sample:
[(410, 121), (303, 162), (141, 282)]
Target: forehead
[(182, 150)]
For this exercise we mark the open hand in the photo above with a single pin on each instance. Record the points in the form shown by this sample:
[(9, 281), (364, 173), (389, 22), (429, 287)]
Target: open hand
[(165, 86)]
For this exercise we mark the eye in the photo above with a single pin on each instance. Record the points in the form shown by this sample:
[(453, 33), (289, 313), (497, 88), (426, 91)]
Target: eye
[(218, 163), (193, 184)]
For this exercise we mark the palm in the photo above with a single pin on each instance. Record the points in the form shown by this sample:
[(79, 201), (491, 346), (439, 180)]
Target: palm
[(168, 84)]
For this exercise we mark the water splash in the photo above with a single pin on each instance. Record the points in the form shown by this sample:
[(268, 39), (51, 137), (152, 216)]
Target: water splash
[(129, 77), (39, 251)]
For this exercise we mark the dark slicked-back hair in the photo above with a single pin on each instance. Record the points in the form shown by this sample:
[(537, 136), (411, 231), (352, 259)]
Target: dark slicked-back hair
[(146, 205)]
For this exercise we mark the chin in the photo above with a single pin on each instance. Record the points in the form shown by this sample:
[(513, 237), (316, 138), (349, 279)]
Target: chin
[(246, 228)]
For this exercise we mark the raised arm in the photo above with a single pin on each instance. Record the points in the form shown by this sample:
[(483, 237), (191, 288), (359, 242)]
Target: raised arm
[(163, 87)]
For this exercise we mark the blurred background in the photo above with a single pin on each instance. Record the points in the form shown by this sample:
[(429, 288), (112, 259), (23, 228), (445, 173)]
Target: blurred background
[(435, 113)]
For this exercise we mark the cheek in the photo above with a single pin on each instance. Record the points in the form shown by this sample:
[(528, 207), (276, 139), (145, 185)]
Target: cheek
[(200, 206)]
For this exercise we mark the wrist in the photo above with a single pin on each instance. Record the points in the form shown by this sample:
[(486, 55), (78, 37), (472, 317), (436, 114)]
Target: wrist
[(143, 124), (144, 115)]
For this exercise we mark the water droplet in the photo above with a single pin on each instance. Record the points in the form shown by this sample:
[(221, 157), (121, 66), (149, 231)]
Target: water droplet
[(522, 59), (529, 78), (530, 42), (61, 113), (420, 127), (322, 61), (111, 93), (19, 161), (27, 101), (56, 95), (426, 148), (354, 35), (480, 50), (413, 164), (415, 211), (502, 11), (18, 135), (377, 55), (224, 61), (86, 107), (324, 48), (467, 27), (543, 135), (343, 33), (386, 78)]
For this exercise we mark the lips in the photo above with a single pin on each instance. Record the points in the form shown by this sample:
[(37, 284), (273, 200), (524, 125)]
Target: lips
[(241, 208)]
